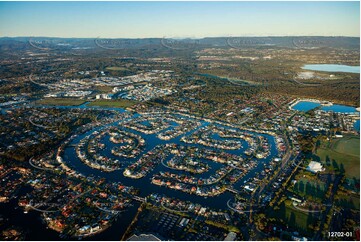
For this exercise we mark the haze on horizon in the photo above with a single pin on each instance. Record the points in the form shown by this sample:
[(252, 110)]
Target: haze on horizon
[(178, 19)]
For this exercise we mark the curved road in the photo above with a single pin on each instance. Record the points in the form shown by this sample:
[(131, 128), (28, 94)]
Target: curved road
[(38, 167)]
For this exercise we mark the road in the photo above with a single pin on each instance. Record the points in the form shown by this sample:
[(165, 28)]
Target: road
[(37, 83), (38, 125), (304, 84), (38, 167)]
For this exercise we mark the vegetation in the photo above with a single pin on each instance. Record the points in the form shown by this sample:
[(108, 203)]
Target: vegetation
[(118, 71), (346, 200), (60, 101), (223, 226), (116, 68), (119, 103), (298, 220), (349, 144), (310, 188), (104, 89), (343, 152)]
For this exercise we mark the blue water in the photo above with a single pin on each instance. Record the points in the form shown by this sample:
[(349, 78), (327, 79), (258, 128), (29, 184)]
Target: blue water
[(332, 68), (305, 106), (356, 125), (218, 202), (339, 108)]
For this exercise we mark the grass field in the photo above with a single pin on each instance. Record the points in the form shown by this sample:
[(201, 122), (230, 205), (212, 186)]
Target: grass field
[(116, 68), (347, 145), (344, 151), (60, 102), (104, 89), (234, 80), (294, 217), (120, 103)]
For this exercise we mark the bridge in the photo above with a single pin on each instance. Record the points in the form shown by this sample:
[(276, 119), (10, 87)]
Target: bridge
[(36, 208), (139, 199)]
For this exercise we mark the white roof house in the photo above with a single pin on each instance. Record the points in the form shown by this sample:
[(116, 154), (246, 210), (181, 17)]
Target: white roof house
[(315, 167)]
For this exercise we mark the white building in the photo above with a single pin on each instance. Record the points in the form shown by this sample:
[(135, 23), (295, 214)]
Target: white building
[(231, 236), (315, 167), (104, 96)]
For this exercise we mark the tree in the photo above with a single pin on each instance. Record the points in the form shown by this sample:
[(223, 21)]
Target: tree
[(342, 169), (292, 219), (335, 165)]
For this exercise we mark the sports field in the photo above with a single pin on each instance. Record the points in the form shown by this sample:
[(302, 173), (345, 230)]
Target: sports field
[(60, 102), (345, 151)]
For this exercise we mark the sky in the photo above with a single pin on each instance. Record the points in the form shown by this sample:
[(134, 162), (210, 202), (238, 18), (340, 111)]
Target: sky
[(178, 19)]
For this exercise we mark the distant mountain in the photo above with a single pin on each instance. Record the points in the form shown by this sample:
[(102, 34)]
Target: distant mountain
[(24, 43), (286, 41)]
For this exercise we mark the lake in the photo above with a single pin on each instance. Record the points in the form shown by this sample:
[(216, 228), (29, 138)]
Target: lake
[(339, 109), (332, 68), (305, 106)]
